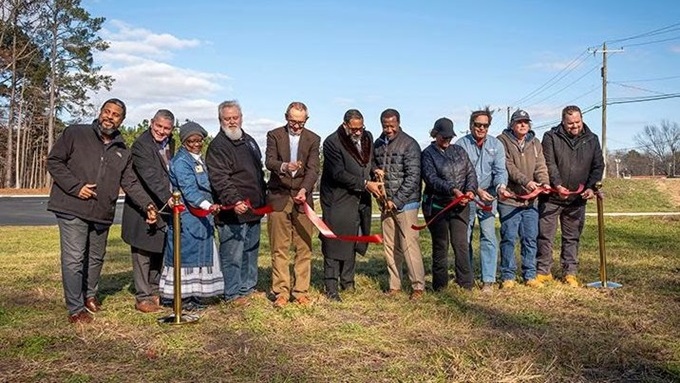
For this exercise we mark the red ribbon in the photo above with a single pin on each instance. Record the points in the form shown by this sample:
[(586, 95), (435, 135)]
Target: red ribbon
[(546, 190), (453, 203), (328, 233), (202, 213), (178, 208)]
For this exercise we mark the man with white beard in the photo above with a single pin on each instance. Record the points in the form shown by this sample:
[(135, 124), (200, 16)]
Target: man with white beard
[(234, 161)]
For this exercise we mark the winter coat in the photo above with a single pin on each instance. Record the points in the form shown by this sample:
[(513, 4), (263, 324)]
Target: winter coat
[(345, 203), (400, 159), (572, 161), (236, 174), (443, 171), (190, 177), (489, 161), (80, 157), (152, 171), (524, 163)]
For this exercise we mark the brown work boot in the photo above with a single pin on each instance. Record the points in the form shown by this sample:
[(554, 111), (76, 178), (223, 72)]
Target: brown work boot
[(392, 293), (239, 301), (508, 284), (544, 278), (417, 295), (148, 306), (534, 283), (303, 300), (570, 279), (280, 301)]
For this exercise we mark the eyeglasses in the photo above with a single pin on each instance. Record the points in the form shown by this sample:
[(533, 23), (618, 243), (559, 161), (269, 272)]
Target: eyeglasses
[(355, 130), (297, 124), (480, 125), (194, 141)]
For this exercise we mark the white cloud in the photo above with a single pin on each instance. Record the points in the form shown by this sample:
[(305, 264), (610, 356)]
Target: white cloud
[(140, 61)]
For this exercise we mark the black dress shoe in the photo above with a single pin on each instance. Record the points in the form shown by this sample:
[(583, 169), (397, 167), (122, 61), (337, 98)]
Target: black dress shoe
[(333, 296), (92, 305)]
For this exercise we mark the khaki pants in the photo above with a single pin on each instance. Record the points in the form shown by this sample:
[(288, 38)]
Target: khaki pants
[(286, 227), (402, 245)]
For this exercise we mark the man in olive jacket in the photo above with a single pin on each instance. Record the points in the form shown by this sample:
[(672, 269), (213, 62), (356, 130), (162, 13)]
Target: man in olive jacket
[(89, 165), (151, 154), (527, 172), (574, 157)]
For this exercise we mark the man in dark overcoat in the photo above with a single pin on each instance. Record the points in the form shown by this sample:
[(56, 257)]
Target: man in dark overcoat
[(346, 189), (151, 154)]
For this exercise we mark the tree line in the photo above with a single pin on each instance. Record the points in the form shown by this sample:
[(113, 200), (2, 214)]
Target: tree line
[(47, 72), (657, 153)]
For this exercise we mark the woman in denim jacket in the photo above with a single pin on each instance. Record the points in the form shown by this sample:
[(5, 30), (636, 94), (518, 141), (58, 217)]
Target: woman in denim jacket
[(201, 272)]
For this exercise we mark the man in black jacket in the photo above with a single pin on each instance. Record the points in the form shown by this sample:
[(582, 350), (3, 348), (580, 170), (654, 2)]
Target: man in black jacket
[(89, 165), (574, 157), (397, 162), (234, 164), (151, 154)]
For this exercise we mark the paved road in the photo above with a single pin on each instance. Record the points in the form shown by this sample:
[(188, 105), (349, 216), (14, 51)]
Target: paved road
[(32, 211)]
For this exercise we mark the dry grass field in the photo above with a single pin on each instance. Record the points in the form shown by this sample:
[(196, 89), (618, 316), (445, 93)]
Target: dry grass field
[(552, 334)]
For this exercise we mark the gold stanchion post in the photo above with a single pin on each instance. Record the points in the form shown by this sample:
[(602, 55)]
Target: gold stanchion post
[(603, 283), (177, 317)]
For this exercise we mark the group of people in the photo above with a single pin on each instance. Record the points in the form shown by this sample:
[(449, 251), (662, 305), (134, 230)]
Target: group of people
[(529, 184)]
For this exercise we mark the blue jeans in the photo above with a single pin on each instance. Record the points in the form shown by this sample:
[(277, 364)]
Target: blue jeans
[(239, 248), (82, 256), (518, 222), (488, 247)]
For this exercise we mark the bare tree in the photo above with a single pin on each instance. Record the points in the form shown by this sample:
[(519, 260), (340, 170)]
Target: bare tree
[(662, 143)]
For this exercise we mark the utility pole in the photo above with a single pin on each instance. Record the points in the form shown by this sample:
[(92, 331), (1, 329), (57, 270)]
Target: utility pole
[(604, 103), (604, 108)]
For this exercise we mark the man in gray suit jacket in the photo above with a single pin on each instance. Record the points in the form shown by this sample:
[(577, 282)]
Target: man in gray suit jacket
[(292, 157), (151, 154)]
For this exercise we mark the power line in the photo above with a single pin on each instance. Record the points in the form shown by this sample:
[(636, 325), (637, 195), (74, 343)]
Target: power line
[(634, 87), (662, 30), (613, 101), (567, 86), (573, 64), (653, 42), (651, 79)]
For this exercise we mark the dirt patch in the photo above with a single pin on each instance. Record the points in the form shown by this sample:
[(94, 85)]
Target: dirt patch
[(670, 187), (10, 191)]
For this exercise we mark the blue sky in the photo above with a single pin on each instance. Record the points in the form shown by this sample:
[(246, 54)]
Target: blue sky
[(427, 59)]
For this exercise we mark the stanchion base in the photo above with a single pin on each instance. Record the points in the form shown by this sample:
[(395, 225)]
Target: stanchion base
[(605, 285), (183, 319)]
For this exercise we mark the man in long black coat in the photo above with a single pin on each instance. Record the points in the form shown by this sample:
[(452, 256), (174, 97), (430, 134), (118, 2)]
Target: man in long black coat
[(346, 189), (151, 154)]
